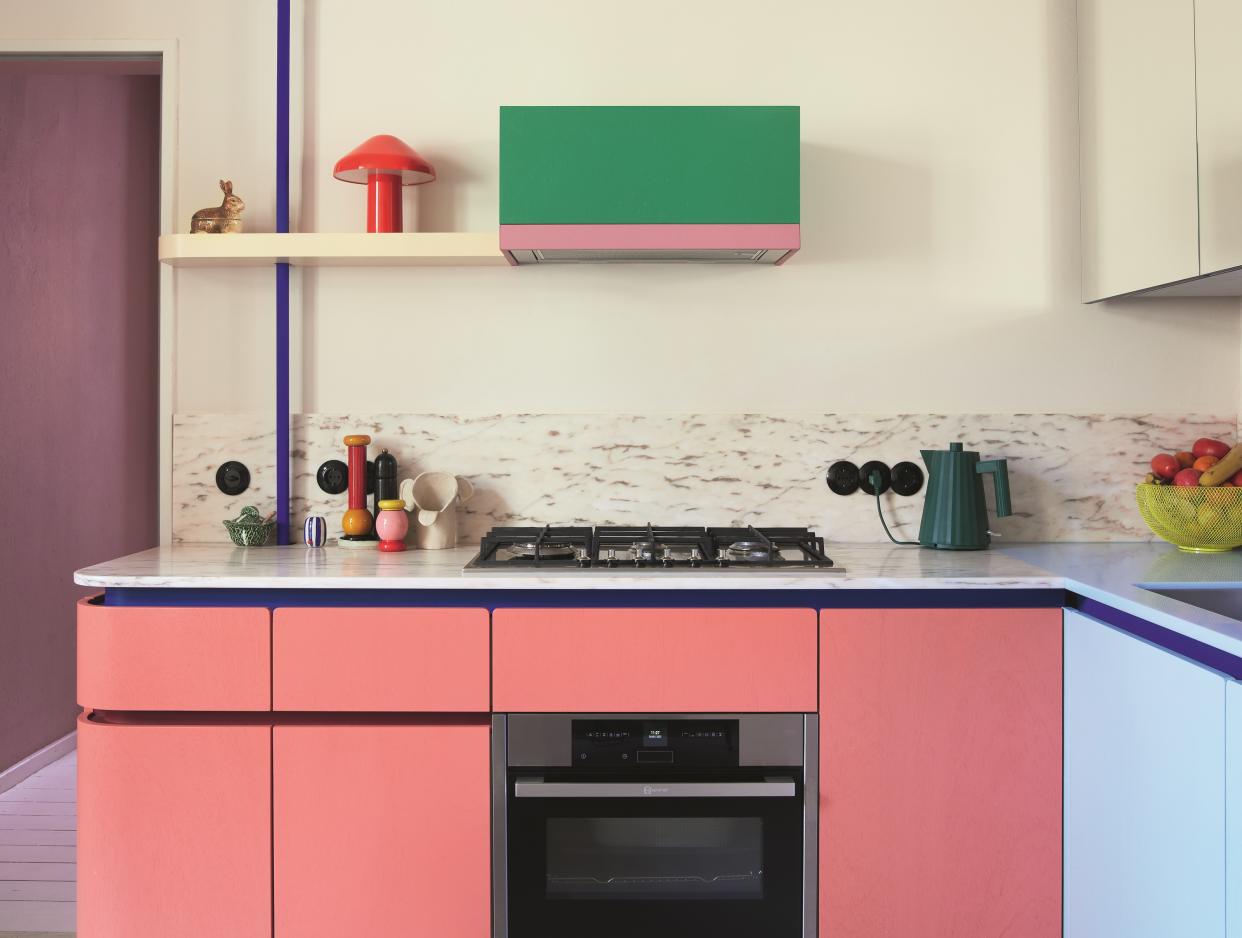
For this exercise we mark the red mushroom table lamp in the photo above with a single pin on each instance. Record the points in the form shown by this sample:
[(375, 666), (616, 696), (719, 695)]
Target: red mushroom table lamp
[(385, 164)]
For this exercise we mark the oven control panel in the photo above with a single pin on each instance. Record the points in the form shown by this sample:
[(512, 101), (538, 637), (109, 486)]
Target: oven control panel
[(647, 743)]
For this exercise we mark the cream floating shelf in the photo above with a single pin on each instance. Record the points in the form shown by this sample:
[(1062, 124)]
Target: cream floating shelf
[(312, 249)]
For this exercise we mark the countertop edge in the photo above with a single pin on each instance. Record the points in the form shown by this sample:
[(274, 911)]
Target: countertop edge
[(602, 584)]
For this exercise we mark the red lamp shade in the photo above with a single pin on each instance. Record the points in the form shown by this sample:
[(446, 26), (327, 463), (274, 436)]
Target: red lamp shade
[(385, 164)]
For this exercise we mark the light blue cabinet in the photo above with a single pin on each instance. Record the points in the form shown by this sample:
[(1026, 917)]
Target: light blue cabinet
[(1233, 809), (1144, 793)]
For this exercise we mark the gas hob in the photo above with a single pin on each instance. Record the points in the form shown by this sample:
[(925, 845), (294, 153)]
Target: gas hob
[(653, 548)]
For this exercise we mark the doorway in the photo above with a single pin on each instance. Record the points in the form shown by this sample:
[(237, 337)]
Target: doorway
[(80, 157)]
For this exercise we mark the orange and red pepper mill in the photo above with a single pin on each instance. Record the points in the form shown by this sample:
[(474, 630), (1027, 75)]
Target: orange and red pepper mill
[(357, 520)]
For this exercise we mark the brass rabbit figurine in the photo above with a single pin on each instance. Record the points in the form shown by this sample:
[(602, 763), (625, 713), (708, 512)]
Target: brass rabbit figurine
[(223, 220)]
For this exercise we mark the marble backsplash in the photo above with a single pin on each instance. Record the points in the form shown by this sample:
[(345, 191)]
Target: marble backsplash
[(1072, 475)]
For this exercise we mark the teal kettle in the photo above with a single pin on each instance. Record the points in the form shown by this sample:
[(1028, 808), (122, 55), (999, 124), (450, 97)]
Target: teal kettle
[(955, 514)]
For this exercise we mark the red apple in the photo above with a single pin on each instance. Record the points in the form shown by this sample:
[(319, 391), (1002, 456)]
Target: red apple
[(1237, 479), (1206, 447), (1187, 477), (1165, 466)]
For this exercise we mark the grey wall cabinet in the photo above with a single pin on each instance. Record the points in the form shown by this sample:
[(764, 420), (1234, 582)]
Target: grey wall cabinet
[(1218, 59), (1160, 147)]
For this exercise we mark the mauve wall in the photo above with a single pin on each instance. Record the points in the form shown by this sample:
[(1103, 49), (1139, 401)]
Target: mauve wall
[(79, 198)]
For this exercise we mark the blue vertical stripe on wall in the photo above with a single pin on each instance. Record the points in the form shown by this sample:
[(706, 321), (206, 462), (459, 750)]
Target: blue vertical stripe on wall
[(282, 273), (282, 404), (282, 115)]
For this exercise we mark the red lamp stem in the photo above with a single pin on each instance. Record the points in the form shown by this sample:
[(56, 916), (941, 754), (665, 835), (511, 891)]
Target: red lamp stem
[(384, 202)]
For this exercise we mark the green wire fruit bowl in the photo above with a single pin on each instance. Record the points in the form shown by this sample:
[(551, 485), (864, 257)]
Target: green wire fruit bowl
[(249, 529), (1197, 519)]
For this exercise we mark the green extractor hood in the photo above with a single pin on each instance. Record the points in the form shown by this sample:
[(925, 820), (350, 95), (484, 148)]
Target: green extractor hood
[(609, 184)]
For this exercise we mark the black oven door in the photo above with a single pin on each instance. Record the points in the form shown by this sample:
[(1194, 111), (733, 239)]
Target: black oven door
[(657, 858)]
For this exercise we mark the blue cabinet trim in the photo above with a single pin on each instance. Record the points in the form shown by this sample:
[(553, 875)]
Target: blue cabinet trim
[(553, 598)]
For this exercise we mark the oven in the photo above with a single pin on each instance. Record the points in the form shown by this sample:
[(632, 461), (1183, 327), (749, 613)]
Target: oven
[(655, 825)]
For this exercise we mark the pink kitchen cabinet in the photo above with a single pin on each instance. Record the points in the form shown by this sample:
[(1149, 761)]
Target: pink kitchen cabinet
[(153, 658), (382, 830), (940, 773), (654, 660), (411, 660), (174, 831)]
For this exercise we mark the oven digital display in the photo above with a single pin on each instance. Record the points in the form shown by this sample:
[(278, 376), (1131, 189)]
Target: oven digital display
[(680, 742)]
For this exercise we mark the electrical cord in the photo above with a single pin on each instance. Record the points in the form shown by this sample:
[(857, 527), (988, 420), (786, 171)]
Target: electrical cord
[(875, 479)]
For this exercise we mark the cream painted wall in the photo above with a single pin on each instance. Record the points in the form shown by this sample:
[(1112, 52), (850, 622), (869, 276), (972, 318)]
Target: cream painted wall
[(940, 213)]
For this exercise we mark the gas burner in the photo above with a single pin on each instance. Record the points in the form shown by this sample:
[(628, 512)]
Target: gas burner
[(548, 551), (652, 547), (749, 551), (535, 548)]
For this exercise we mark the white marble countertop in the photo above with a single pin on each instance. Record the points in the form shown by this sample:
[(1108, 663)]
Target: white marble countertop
[(1123, 575), (1115, 574), (867, 566)]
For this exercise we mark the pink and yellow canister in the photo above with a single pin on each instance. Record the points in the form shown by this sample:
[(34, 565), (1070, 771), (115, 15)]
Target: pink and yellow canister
[(392, 524)]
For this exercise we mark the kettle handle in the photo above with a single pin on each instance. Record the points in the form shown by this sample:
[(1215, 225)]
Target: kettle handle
[(1000, 478)]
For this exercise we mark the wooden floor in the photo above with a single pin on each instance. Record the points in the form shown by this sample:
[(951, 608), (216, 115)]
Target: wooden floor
[(38, 840)]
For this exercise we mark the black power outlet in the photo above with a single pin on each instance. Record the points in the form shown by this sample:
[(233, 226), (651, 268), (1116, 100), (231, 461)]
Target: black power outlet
[(843, 477), (232, 478), (878, 471), (846, 478), (907, 478)]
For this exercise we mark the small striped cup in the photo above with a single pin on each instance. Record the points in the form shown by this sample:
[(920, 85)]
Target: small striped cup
[(314, 531)]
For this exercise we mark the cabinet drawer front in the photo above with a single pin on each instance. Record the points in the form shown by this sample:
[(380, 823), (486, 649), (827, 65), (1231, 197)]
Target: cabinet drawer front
[(410, 660), (174, 831), (406, 852), (665, 660), (173, 659)]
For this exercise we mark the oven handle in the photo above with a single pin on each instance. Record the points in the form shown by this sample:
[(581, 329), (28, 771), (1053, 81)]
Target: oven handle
[(769, 788)]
